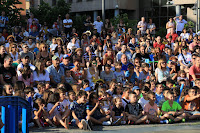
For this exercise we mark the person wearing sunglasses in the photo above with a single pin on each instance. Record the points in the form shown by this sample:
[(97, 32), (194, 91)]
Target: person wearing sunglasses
[(162, 71)]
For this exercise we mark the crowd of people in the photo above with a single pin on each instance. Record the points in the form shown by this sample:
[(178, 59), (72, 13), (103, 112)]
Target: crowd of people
[(103, 76)]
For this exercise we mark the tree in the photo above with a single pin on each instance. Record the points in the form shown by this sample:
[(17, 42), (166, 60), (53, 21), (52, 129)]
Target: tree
[(129, 23), (11, 10), (46, 13)]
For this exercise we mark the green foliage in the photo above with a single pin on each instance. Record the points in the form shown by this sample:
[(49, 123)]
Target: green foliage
[(78, 23), (189, 24), (46, 13), (12, 12), (161, 32), (129, 23)]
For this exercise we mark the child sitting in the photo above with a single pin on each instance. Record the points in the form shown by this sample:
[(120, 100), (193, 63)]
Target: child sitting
[(173, 109), (68, 76), (191, 104), (145, 72), (152, 110), (117, 92), (78, 109), (159, 91), (134, 110), (118, 114), (119, 74), (40, 114), (130, 74), (125, 98), (53, 108), (144, 100), (182, 75), (41, 89), (95, 112), (104, 102)]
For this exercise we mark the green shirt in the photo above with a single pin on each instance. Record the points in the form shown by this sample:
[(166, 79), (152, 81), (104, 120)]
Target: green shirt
[(166, 107)]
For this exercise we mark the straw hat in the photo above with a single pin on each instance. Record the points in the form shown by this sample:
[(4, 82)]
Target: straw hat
[(88, 33), (10, 36)]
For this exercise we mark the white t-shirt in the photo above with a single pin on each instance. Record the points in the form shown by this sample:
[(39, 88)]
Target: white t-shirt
[(26, 34), (184, 36), (41, 77), (188, 57), (21, 66), (98, 26), (64, 104), (53, 46), (55, 112), (71, 45), (60, 56), (143, 102), (180, 24), (32, 45), (67, 21)]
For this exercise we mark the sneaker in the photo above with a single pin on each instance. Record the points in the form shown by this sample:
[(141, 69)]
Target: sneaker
[(147, 121), (171, 121), (106, 123), (84, 124), (164, 122), (31, 124), (183, 120), (89, 125), (123, 122), (117, 122)]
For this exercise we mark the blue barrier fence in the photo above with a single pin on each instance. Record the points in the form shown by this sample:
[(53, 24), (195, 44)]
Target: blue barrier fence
[(11, 108)]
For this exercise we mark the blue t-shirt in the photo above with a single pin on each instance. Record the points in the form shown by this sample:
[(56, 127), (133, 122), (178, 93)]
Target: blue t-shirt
[(132, 80), (125, 67), (158, 98)]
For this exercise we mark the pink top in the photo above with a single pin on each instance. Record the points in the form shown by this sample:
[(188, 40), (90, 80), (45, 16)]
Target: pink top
[(192, 45), (151, 110), (194, 70), (28, 81)]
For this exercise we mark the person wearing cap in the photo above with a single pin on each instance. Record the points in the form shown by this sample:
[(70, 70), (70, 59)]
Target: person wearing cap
[(10, 40), (25, 61), (56, 73), (88, 91), (66, 62), (26, 51)]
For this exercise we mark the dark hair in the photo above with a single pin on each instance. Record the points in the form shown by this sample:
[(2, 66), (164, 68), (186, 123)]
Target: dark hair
[(56, 50), (19, 85), (54, 98), (145, 88), (132, 92), (91, 97), (28, 89), (81, 93)]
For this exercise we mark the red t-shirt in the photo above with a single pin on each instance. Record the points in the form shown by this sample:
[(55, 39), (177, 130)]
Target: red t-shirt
[(174, 36), (194, 70), (161, 46)]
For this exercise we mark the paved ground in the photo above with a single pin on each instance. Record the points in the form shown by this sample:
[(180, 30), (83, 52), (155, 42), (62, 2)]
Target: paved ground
[(192, 127)]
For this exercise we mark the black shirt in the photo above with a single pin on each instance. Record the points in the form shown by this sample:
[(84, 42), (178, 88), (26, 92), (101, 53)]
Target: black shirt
[(118, 111), (2, 59), (8, 74), (133, 109), (142, 57)]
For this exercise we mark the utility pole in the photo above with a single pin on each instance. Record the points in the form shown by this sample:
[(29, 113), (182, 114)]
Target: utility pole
[(103, 12), (198, 15)]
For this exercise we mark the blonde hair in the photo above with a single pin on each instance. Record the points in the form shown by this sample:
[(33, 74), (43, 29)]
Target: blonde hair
[(10, 47), (38, 65), (159, 63), (115, 99)]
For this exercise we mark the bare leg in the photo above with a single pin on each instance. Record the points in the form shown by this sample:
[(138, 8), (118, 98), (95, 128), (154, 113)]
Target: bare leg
[(141, 120), (180, 117)]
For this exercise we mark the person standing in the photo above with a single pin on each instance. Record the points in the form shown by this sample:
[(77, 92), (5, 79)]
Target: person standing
[(180, 22), (142, 25), (98, 24), (67, 25), (3, 21), (170, 25)]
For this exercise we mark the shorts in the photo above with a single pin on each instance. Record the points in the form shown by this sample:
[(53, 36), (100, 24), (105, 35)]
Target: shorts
[(192, 112)]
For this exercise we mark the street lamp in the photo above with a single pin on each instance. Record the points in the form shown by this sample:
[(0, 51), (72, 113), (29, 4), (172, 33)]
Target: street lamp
[(103, 12)]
